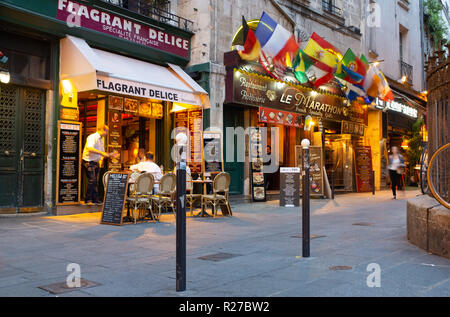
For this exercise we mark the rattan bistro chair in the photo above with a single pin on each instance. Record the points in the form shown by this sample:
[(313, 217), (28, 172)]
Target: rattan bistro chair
[(141, 198), (105, 179), (190, 196), (221, 184), (166, 193)]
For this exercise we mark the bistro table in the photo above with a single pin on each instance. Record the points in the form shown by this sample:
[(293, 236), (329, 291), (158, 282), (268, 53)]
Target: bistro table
[(203, 213)]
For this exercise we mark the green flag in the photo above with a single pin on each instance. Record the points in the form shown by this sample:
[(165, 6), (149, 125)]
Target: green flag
[(302, 63)]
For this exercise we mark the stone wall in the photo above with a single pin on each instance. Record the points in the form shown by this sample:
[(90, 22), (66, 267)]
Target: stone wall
[(428, 225)]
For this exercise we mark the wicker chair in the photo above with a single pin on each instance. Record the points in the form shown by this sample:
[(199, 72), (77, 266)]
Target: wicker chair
[(190, 196), (166, 193), (105, 179), (221, 184), (141, 198)]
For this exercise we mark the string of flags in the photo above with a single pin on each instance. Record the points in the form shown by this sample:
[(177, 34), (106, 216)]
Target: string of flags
[(319, 63)]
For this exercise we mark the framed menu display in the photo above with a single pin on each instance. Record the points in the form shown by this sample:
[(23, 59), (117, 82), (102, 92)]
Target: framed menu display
[(258, 184), (68, 169), (131, 105), (289, 186), (115, 139), (115, 103), (145, 109), (157, 110), (195, 125), (315, 169), (212, 149), (363, 166), (352, 128)]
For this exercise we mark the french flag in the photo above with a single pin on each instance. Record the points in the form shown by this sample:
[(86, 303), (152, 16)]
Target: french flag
[(275, 40)]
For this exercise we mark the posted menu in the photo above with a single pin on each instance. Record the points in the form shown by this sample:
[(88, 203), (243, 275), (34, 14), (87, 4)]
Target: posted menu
[(257, 165), (289, 186), (114, 200), (315, 169), (69, 163)]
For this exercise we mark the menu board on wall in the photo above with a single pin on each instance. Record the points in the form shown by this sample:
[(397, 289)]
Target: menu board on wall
[(289, 186), (115, 139), (68, 168), (363, 166), (256, 165), (114, 201), (212, 148), (315, 169), (195, 125)]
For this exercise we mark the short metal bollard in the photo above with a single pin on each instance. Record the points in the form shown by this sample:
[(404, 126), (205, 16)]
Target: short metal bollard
[(181, 213), (305, 200)]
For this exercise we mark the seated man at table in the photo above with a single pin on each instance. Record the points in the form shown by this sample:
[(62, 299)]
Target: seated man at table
[(148, 166)]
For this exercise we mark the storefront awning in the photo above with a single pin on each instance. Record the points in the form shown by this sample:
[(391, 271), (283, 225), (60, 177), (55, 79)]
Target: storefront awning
[(88, 68)]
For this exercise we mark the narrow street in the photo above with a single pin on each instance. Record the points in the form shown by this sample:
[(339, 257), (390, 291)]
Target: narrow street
[(255, 253)]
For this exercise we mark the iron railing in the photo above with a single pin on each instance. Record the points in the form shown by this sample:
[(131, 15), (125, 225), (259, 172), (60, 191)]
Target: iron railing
[(406, 70), (328, 6), (156, 9)]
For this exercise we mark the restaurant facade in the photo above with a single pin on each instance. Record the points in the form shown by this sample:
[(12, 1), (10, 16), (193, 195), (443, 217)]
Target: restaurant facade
[(78, 65), (349, 141)]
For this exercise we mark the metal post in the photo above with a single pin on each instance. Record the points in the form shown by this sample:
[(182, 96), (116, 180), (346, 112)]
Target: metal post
[(373, 182), (332, 184), (305, 200), (181, 213)]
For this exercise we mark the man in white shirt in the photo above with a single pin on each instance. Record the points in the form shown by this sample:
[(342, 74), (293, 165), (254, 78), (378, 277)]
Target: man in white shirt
[(148, 166), (93, 152)]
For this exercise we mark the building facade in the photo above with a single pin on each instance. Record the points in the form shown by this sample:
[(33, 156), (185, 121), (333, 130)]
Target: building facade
[(75, 66)]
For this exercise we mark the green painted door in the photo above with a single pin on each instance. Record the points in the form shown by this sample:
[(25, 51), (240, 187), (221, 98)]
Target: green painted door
[(22, 121), (233, 117)]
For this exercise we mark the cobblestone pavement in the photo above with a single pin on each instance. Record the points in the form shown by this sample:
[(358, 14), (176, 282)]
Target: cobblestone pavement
[(259, 253)]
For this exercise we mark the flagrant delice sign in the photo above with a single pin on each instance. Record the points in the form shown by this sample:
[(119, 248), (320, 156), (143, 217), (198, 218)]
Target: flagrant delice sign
[(121, 86), (81, 15)]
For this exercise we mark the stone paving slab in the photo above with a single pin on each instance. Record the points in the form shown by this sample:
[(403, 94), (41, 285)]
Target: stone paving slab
[(139, 260)]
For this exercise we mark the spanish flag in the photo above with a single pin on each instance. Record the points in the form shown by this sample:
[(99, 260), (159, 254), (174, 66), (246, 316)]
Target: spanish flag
[(323, 52), (252, 47)]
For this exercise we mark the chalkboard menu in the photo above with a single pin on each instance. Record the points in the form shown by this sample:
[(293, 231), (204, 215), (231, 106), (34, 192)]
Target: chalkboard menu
[(69, 163), (114, 201), (289, 186), (363, 166), (257, 165), (315, 169), (212, 150)]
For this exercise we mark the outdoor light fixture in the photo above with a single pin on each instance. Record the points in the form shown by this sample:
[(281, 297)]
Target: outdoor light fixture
[(403, 79), (176, 107), (4, 77), (313, 93), (67, 86)]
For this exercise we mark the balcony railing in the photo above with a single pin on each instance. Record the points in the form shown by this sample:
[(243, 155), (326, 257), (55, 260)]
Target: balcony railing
[(156, 9), (328, 6), (406, 70)]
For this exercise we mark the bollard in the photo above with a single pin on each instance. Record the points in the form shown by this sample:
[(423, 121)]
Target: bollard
[(305, 200), (332, 184), (181, 213)]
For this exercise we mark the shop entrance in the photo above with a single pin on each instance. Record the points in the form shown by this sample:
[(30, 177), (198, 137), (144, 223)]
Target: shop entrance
[(339, 158), (22, 117)]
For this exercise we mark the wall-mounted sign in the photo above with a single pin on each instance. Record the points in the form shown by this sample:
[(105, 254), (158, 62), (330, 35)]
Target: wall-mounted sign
[(212, 145), (280, 117), (115, 139), (81, 15), (71, 114), (260, 91), (256, 165), (352, 128), (397, 107), (68, 169), (126, 87), (115, 103)]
